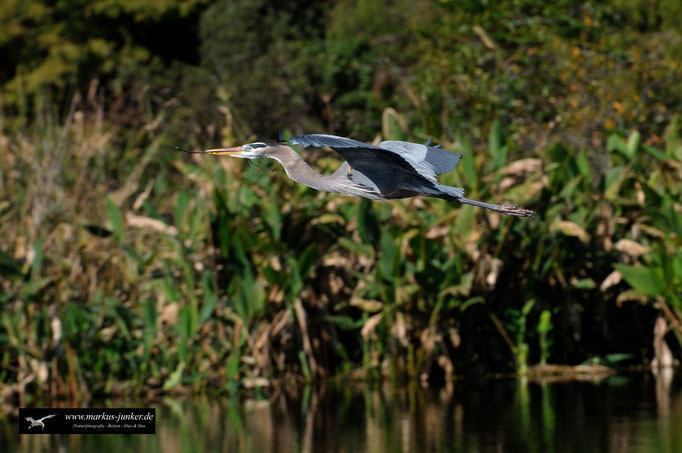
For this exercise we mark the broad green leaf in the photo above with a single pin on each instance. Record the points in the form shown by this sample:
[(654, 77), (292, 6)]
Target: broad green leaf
[(545, 322), (527, 307), (37, 264), (255, 296), (584, 166), (468, 163), (569, 189), (389, 255), (295, 278), (180, 212), (273, 216), (367, 222), (616, 143), (633, 144), (585, 283), (467, 303), (149, 316), (232, 366), (175, 378), (307, 260), (466, 219), (115, 219), (210, 299), (673, 144), (344, 322), (655, 152), (305, 367), (498, 149), (188, 320), (196, 218), (181, 206), (677, 267), (364, 250), (646, 280), (273, 277), (612, 182), (393, 125)]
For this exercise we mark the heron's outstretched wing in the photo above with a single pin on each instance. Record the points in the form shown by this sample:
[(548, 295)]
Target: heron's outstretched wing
[(357, 154), (423, 160), (393, 170), (46, 417), (331, 141), (429, 161)]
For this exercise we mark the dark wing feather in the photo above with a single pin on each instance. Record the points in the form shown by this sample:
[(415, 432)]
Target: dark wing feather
[(389, 172), (357, 154), (331, 141)]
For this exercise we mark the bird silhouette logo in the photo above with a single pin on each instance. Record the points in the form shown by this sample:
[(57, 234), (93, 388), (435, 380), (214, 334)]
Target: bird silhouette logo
[(38, 422)]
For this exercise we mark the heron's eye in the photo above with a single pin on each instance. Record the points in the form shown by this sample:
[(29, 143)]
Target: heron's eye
[(247, 148)]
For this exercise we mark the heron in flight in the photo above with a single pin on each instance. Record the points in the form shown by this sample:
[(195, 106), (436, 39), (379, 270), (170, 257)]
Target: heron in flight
[(392, 170), (38, 422)]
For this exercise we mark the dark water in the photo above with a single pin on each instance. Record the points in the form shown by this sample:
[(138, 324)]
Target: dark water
[(637, 413)]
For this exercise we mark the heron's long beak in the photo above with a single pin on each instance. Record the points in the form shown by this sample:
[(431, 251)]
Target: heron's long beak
[(237, 150)]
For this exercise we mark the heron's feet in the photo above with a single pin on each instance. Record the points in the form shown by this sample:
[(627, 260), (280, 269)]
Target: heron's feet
[(516, 211)]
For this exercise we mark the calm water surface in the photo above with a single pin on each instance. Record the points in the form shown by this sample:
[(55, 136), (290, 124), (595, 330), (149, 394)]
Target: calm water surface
[(637, 413)]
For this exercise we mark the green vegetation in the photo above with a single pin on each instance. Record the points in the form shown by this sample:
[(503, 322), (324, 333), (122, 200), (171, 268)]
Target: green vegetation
[(126, 266)]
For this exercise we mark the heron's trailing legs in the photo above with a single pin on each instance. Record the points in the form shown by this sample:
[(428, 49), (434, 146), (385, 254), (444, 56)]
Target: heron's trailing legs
[(507, 209)]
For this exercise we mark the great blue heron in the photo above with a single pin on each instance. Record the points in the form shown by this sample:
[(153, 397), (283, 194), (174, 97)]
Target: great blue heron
[(38, 422), (394, 169)]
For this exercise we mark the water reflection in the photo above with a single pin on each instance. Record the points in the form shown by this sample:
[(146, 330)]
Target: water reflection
[(620, 413)]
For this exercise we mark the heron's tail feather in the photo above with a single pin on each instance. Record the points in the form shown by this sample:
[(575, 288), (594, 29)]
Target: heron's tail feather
[(456, 192)]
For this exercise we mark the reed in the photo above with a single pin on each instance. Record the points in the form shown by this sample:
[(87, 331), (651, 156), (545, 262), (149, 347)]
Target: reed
[(128, 268)]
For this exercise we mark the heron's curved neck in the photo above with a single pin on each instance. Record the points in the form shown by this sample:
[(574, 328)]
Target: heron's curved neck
[(299, 170)]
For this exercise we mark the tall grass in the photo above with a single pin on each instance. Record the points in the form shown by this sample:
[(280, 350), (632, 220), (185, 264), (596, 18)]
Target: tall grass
[(126, 267)]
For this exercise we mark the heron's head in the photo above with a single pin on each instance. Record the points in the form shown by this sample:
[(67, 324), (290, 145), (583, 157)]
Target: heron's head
[(253, 150)]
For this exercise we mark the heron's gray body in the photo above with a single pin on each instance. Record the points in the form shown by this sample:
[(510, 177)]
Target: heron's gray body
[(408, 169)]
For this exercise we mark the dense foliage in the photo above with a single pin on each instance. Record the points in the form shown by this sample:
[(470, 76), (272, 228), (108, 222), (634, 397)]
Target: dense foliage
[(125, 265)]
